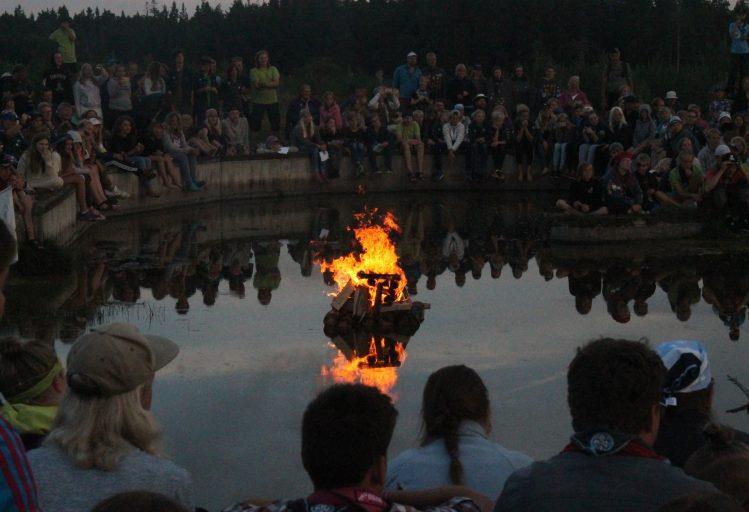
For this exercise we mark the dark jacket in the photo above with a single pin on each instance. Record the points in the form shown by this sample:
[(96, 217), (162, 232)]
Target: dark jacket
[(295, 108), (577, 482), (458, 85), (680, 435)]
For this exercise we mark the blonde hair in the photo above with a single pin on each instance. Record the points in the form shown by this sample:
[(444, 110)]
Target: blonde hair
[(97, 433)]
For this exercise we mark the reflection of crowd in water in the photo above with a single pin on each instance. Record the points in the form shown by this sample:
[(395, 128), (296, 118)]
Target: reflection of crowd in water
[(436, 242)]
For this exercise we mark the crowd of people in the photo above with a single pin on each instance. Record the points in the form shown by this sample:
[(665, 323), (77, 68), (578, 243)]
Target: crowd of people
[(82, 437), (81, 122)]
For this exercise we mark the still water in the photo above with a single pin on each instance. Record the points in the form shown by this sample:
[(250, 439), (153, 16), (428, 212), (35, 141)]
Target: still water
[(237, 287)]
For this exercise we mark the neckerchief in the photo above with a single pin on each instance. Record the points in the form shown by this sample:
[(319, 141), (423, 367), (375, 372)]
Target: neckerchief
[(356, 498), (603, 443)]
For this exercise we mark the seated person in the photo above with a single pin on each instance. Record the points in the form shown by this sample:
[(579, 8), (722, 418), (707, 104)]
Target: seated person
[(691, 388), (379, 142), (586, 193), (22, 202), (346, 431), (455, 448), (105, 438), (727, 184), (237, 131), (686, 182), (622, 192), (614, 391), (408, 134), (32, 382)]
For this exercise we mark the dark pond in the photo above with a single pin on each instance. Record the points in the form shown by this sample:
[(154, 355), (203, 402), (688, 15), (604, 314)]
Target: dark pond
[(236, 286)]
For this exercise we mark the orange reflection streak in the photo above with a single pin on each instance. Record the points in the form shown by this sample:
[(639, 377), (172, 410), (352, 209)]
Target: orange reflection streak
[(378, 255), (358, 371)]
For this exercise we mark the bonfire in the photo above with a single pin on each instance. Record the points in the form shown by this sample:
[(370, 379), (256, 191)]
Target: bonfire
[(372, 317)]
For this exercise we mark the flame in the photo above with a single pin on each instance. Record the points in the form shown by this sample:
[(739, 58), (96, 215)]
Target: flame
[(358, 370), (378, 255)]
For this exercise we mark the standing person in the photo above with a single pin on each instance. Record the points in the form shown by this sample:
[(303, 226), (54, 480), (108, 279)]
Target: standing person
[(614, 392), (205, 90), (105, 439), (86, 90), (461, 89), (57, 79), (573, 95), (436, 77), (500, 89), (406, 78), (455, 449), (179, 82), (120, 95), (346, 431), (265, 81), (521, 88), (65, 39), (738, 31), (616, 74)]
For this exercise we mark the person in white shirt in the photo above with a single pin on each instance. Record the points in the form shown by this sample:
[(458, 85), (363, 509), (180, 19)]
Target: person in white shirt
[(455, 448)]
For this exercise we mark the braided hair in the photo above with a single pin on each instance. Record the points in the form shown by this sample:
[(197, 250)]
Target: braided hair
[(453, 394)]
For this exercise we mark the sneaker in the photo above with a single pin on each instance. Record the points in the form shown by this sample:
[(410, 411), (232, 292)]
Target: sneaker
[(498, 175), (378, 171), (388, 171), (411, 177), (119, 193), (437, 177), (194, 187)]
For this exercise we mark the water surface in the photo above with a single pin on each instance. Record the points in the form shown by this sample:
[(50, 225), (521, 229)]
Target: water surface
[(237, 288)]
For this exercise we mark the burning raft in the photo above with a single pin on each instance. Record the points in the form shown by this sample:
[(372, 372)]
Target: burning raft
[(355, 320), (372, 316)]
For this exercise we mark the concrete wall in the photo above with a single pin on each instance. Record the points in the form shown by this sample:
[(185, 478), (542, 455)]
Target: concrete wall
[(264, 177)]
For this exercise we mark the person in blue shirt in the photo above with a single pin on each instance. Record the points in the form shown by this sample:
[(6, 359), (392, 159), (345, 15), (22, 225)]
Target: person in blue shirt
[(738, 31), (406, 78), (456, 449)]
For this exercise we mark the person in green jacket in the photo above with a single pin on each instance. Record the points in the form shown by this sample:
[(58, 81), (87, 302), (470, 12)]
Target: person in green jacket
[(264, 81), (65, 38)]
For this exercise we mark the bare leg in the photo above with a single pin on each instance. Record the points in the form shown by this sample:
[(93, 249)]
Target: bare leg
[(173, 172), (80, 189), (95, 185), (420, 158), (407, 157)]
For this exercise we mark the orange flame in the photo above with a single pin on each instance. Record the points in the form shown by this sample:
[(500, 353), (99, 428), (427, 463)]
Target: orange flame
[(358, 371), (378, 255)]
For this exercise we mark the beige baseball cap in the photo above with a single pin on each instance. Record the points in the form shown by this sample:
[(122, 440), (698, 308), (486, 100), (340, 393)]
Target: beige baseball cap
[(116, 359)]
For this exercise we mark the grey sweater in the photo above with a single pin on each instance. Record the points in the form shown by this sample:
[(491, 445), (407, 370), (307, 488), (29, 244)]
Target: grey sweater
[(64, 487)]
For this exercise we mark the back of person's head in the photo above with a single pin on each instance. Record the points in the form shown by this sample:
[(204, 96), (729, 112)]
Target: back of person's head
[(138, 501), (723, 461), (346, 431), (689, 382), (27, 370), (105, 412), (614, 384), (453, 394), (715, 502)]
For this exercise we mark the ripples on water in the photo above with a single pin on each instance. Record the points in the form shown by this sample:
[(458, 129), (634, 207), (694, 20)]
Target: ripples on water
[(238, 288)]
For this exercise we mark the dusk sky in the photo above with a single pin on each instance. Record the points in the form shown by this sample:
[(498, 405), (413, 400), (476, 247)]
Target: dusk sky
[(129, 6)]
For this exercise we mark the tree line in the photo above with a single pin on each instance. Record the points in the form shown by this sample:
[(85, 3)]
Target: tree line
[(369, 35)]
